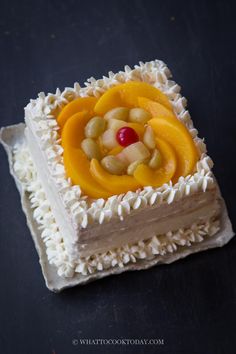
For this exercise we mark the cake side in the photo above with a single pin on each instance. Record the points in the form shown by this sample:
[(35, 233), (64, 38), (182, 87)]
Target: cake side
[(150, 221), (41, 118), (60, 213)]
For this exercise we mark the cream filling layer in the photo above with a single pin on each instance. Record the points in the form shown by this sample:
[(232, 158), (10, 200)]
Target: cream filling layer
[(67, 266)]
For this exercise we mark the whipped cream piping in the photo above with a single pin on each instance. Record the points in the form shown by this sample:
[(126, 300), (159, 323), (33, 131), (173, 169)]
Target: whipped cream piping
[(42, 113), (119, 257)]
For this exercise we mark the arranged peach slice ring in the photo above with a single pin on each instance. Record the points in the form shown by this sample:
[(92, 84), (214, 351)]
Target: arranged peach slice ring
[(146, 176), (165, 149), (76, 162), (113, 184), (127, 95), (177, 136), (78, 105)]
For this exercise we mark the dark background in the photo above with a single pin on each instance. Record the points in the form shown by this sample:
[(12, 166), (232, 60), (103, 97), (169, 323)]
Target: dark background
[(191, 304)]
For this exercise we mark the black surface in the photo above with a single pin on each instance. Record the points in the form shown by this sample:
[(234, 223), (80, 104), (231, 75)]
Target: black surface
[(190, 304)]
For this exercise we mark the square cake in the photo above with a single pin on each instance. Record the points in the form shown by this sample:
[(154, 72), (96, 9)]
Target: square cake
[(116, 176)]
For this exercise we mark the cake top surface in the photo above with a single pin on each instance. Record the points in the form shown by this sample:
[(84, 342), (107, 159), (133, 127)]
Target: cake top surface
[(44, 114)]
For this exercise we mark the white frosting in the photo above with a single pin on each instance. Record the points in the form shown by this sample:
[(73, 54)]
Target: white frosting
[(42, 114), (148, 249)]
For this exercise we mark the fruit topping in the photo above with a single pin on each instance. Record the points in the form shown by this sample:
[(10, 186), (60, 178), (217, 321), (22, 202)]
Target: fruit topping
[(91, 149), (108, 139), (113, 165), (78, 105), (176, 135), (136, 152), (75, 160), (95, 127), (127, 95), (112, 183), (132, 167), (126, 136), (149, 138), (120, 113), (146, 176), (139, 115), (155, 161), (116, 124)]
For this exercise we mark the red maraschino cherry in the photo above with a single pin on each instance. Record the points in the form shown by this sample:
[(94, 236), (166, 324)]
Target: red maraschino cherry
[(126, 136)]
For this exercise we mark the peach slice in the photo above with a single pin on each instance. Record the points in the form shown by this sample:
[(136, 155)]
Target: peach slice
[(77, 168), (113, 184), (126, 95), (148, 177), (73, 131), (156, 109), (177, 135), (75, 106)]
